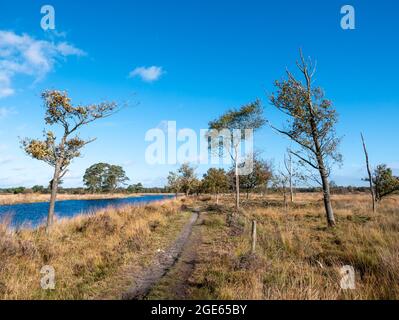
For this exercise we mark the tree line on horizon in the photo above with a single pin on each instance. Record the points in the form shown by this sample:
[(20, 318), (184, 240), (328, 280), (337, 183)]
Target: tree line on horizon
[(381, 177)]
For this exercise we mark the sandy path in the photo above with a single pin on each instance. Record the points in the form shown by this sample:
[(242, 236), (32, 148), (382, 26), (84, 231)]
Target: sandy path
[(162, 264), (176, 284)]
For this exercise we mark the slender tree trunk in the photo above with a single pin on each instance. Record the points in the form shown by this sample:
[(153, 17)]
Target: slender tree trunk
[(285, 198), (54, 189), (291, 186), (369, 174), (319, 155), (324, 182), (291, 189), (327, 197), (237, 189), (217, 198), (323, 175)]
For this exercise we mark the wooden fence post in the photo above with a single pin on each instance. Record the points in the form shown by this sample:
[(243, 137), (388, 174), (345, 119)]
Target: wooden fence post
[(253, 246)]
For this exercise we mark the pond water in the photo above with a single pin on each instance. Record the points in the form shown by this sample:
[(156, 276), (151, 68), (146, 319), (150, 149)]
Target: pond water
[(35, 214)]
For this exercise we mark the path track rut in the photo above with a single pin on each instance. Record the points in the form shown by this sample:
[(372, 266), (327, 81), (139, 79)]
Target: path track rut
[(162, 264)]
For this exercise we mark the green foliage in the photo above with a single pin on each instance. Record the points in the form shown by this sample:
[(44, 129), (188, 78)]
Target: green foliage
[(60, 111), (188, 178), (311, 120), (247, 117), (215, 181), (260, 175), (385, 183), (311, 117), (17, 190), (173, 182), (38, 189), (184, 180), (104, 177), (135, 188)]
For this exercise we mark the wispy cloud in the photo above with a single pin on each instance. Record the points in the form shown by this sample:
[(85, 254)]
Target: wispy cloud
[(22, 54), (6, 160), (147, 74), (5, 112), (73, 176)]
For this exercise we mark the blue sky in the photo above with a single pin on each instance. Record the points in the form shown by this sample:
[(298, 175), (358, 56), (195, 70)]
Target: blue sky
[(209, 56)]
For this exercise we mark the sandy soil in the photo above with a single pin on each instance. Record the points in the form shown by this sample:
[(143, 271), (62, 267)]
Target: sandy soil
[(163, 263)]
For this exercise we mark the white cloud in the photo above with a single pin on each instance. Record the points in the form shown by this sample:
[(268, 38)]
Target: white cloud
[(5, 85), (22, 54), (67, 50), (147, 74)]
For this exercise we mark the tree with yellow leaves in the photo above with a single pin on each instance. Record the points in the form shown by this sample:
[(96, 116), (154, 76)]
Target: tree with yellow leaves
[(60, 111)]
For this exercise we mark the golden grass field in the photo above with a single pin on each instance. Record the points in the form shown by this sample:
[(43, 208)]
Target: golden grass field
[(87, 252), (297, 256)]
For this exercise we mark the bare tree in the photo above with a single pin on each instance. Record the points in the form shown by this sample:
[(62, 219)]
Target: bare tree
[(372, 192), (311, 121), (280, 182), (60, 111)]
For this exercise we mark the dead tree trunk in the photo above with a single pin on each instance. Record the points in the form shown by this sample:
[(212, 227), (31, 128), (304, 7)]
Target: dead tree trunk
[(369, 174)]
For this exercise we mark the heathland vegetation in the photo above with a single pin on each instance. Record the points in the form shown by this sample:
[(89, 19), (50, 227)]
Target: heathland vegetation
[(296, 257), (278, 242)]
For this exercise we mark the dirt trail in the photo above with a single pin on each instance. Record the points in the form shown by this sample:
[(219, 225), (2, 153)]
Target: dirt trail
[(176, 283), (164, 262)]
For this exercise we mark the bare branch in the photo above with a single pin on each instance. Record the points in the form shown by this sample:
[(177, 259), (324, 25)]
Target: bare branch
[(305, 160)]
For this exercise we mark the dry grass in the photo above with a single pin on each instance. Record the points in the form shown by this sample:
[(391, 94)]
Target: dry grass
[(87, 252), (6, 199), (297, 256)]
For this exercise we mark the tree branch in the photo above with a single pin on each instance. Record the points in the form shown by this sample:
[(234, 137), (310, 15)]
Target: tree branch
[(305, 160), (292, 138)]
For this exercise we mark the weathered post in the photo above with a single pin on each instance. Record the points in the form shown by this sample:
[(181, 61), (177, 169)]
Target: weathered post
[(253, 246)]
